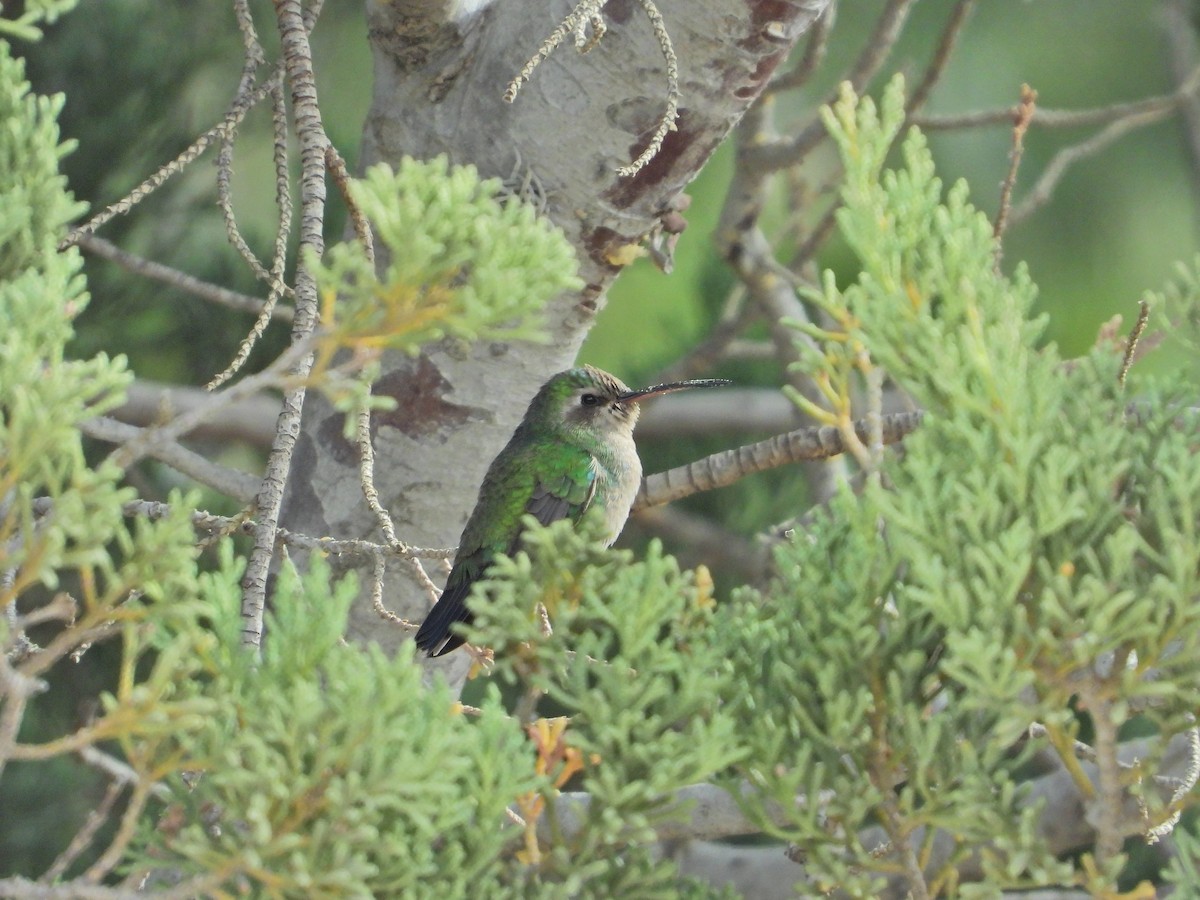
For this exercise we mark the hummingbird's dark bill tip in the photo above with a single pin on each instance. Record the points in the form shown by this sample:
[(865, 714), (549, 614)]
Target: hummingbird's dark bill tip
[(673, 386)]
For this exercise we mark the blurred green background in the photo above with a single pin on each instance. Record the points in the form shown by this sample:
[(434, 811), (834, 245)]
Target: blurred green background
[(143, 78)]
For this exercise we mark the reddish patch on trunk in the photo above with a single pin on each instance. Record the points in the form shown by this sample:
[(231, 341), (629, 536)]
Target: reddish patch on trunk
[(421, 410), (421, 407), (678, 143)]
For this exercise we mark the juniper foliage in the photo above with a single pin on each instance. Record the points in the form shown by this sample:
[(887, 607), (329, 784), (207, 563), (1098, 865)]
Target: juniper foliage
[(1031, 554), (1034, 546)]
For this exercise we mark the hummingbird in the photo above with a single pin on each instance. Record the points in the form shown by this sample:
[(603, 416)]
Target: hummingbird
[(573, 450)]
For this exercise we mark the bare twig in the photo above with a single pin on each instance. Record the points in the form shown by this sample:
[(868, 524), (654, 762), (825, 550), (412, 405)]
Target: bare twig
[(772, 287), (214, 293), (1109, 783), (86, 833), (208, 522), (820, 232), (15, 691), (227, 125), (1182, 53), (341, 178), (735, 316), (283, 203), (877, 47), (1060, 118), (112, 854), (282, 370), (666, 122), (366, 480), (254, 58), (588, 12), (297, 55), (757, 411), (1020, 125), (386, 614), (1135, 335), (23, 889), (1064, 159), (941, 56), (729, 466), (242, 486), (814, 53), (250, 419), (1185, 786), (770, 156)]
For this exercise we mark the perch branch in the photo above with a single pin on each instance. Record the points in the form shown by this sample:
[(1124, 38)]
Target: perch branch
[(721, 469)]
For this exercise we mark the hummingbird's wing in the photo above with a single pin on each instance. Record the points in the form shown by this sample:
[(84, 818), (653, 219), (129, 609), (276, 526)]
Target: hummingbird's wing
[(559, 482)]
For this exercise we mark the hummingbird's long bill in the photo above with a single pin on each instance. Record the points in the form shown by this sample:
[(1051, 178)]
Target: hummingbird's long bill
[(672, 387)]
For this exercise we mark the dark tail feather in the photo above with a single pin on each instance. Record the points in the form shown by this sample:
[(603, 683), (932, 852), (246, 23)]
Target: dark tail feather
[(435, 636)]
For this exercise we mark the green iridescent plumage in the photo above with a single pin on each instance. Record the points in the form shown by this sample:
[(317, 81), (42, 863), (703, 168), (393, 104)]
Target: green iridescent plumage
[(573, 450)]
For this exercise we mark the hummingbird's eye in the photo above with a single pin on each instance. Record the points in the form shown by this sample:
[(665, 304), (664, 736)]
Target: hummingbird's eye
[(589, 400)]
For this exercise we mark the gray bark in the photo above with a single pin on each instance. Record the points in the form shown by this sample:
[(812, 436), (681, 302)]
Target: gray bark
[(438, 89)]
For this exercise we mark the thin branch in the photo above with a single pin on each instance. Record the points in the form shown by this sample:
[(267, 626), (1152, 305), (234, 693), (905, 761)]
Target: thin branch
[(15, 691), (1182, 52), (283, 203), (156, 271), (877, 47), (735, 317), (211, 523), (816, 240), (366, 475), (1026, 109), (386, 614), (1182, 789), (941, 56), (254, 58), (86, 833), (666, 122), (366, 480), (771, 156), (1109, 783), (735, 411), (241, 486), (341, 179), (1064, 159), (1131, 345), (772, 287), (900, 843), (588, 12), (814, 53), (250, 419), (17, 888), (310, 131), (725, 468), (283, 369), (227, 125), (118, 770), (1067, 118)]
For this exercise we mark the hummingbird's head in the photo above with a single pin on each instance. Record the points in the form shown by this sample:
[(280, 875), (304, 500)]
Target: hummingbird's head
[(589, 399)]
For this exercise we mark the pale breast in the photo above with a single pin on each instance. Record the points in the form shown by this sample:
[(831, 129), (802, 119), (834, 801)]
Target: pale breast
[(618, 476)]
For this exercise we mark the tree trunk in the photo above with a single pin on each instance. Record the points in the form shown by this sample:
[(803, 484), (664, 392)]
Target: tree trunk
[(441, 70)]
